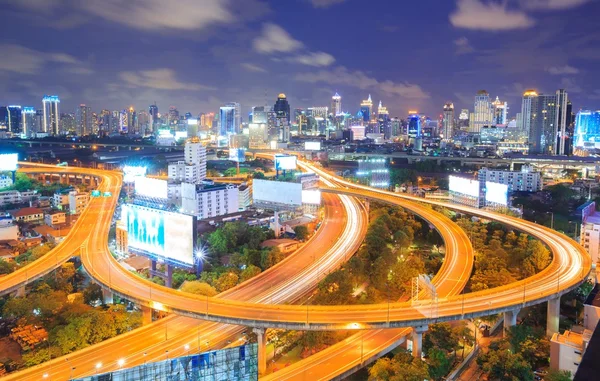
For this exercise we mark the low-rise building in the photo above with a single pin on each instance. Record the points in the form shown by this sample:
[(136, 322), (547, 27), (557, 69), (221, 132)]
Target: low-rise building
[(206, 201), (183, 172), (60, 200), (55, 218), (5, 181), (121, 238), (244, 197), (285, 245), (8, 228), (16, 197), (78, 201), (567, 349), (28, 215), (526, 180)]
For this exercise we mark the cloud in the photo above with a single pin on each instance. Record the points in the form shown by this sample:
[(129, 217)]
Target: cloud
[(492, 16), (252, 67), (275, 39), (463, 46), (325, 3), (563, 70), (595, 94), (314, 59), (342, 76), (20, 59), (552, 4), (159, 79), (570, 85)]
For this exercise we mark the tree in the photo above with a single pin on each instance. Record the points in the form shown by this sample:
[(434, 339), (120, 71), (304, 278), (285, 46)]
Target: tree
[(538, 258), (438, 363), (301, 232), (558, 375), (504, 365), (226, 281), (6, 267), (40, 355), (199, 288), (249, 272), (271, 257), (403, 367), (336, 288), (258, 175), (441, 337), (92, 293), (63, 279)]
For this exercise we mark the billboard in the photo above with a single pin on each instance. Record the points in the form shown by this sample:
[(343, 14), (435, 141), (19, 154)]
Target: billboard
[(496, 193), (8, 161), (153, 188), (464, 186), (160, 234), (285, 162), (311, 196), (237, 154), (312, 146), (181, 135), (130, 172), (277, 193)]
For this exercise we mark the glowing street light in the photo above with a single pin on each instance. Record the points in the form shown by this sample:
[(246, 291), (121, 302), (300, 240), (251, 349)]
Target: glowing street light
[(121, 362)]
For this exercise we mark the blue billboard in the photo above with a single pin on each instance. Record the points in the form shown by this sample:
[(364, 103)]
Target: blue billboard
[(160, 234)]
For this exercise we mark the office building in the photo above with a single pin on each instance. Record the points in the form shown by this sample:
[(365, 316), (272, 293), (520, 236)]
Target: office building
[(526, 180), (195, 154), (154, 118), (67, 124), (282, 108), (259, 115), (336, 104), (500, 112), (384, 122), (207, 201), (83, 120), (448, 122), (14, 121), (546, 121), (483, 112), (258, 135), (374, 173), (29, 121), (366, 108), (463, 120), (587, 130), (524, 121), (51, 114), (183, 172), (414, 126), (173, 117), (230, 119)]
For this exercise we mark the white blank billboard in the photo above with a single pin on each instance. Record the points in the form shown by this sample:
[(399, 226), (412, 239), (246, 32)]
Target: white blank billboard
[(464, 186), (312, 146), (311, 196), (148, 187), (130, 173), (8, 161), (277, 192), (285, 162), (496, 193)]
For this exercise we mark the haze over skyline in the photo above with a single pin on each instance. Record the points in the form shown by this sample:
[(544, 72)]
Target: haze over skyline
[(201, 55)]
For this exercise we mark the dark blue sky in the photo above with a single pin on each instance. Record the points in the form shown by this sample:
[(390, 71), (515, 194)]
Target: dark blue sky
[(199, 54)]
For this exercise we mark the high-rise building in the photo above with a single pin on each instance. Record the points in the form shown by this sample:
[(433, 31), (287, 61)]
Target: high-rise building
[(3, 118), (67, 124), (366, 107), (259, 115), (195, 154), (448, 121), (525, 120), (463, 119), (132, 125), (28, 121), (230, 119), (14, 119), (153, 112), (384, 121), (547, 122), (123, 122), (414, 126), (483, 113), (336, 104), (282, 108), (83, 120), (396, 127), (173, 116), (500, 112), (587, 129), (258, 135), (51, 115)]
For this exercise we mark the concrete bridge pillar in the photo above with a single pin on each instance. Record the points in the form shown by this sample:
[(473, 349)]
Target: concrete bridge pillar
[(510, 319), (20, 292), (261, 339), (553, 316), (417, 340), (107, 296), (146, 315)]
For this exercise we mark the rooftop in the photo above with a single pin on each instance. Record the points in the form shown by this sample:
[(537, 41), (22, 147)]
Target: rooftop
[(27, 212), (278, 241)]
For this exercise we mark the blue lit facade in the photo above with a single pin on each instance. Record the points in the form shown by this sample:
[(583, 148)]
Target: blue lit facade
[(587, 129), (51, 114), (28, 123), (414, 126)]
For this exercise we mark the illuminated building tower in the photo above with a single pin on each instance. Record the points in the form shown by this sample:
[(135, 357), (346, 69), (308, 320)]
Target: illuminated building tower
[(83, 120), (383, 121), (67, 124), (562, 99), (131, 121), (336, 104), (500, 112), (366, 107), (396, 127), (547, 120), (173, 116), (483, 113), (51, 114), (143, 122), (259, 115), (230, 119), (123, 122), (153, 112), (28, 121), (448, 121), (3, 118), (587, 130), (104, 120), (13, 121), (258, 135), (525, 122), (282, 108)]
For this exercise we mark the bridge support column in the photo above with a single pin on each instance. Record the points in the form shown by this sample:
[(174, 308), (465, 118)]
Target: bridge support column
[(261, 339), (146, 315), (417, 340), (510, 319), (553, 316), (107, 296), (20, 292), (169, 276)]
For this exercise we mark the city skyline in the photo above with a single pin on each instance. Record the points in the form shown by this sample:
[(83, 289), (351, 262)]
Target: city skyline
[(224, 57)]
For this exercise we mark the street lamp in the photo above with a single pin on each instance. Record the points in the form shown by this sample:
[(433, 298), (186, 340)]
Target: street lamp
[(121, 362), (551, 220), (98, 366)]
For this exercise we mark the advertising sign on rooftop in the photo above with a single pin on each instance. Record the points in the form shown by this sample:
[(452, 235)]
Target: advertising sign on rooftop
[(463, 185), (8, 161), (153, 188), (496, 193)]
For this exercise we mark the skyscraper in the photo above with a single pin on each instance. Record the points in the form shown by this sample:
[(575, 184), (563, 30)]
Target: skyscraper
[(587, 129), (173, 116), (547, 123), (336, 104), (384, 122), (132, 121), (525, 122), (123, 122), (483, 113), (51, 113), (562, 99), (259, 115), (366, 107), (14, 119), (83, 120), (500, 112), (230, 119), (28, 121), (282, 108), (448, 121), (153, 111)]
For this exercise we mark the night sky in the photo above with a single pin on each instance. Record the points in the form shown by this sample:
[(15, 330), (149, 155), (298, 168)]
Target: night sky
[(200, 54)]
